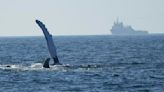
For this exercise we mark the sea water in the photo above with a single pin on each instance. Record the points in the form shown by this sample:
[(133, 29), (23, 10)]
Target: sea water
[(94, 64)]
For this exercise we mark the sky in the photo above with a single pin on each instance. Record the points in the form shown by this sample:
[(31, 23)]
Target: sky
[(79, 17)]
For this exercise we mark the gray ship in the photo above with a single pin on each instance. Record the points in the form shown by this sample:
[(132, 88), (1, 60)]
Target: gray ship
[(119, 29)]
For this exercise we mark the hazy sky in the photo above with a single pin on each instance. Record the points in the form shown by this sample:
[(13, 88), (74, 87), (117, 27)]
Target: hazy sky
[(79, 17)]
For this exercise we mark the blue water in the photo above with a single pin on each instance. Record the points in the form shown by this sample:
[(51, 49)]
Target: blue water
[(117, 64)]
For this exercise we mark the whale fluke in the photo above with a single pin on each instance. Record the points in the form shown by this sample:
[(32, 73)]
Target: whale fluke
[(50, 43)]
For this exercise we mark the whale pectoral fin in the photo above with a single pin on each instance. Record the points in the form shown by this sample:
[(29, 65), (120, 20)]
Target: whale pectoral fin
[(43, 27), (50, 44), (46, 63), (56, 61)]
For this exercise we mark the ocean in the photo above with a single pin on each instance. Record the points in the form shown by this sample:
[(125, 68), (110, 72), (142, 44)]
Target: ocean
[(90, 64)]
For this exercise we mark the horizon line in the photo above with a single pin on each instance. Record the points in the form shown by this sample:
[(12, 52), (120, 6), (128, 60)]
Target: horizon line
[(53, 35), (72, 35)]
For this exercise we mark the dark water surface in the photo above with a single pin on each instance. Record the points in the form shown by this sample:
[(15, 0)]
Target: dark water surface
[(116, 64)]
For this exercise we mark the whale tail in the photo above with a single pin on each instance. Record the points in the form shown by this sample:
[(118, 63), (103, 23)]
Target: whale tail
[(50, 43)]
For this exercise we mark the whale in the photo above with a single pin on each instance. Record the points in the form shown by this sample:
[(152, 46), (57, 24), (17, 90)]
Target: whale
[(50, 44), (46, 63), (53, 54)]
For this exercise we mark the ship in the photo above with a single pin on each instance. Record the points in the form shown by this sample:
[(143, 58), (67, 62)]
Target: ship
[(120, 29)]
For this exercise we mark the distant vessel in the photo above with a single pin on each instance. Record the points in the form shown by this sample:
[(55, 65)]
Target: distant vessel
[(119, 29)]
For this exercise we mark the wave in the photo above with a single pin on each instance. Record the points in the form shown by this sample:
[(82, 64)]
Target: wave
[(39, 67)]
